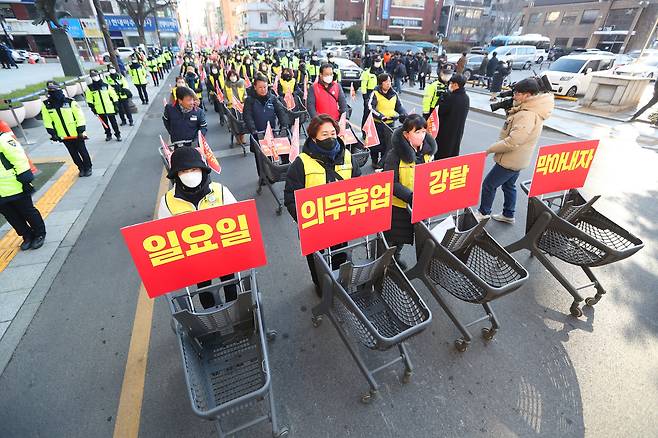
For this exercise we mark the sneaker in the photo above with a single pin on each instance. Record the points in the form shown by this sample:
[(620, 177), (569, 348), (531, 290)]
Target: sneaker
[(38, 242), (122, 124), (108, 137), (131, 123), (88, 172), (479, 216), (118, 136), (27, 244), (503, 218), (81, 173)]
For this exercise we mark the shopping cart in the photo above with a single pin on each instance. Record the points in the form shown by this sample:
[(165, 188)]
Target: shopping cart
[(370, 300), (357, 148), (224, 352), (236, 127), (272, 165), (468, 264), (567, 227)]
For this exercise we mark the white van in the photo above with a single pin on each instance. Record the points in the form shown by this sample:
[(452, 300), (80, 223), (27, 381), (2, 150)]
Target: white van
[(520, 56), (570, 75)]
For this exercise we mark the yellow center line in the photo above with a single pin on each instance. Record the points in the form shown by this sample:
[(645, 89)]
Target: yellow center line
[(132, 388), (10, 242)]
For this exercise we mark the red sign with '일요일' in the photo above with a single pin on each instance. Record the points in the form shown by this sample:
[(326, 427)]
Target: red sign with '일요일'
[(182, 250), (562, 166), (344, 210), (447, 185)]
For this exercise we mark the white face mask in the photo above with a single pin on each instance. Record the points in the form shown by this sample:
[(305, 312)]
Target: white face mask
[(328, 79), (314, 58), (191, 179), (214, 71), (112, 71), (445, 78), (378, 64), (95, 78)]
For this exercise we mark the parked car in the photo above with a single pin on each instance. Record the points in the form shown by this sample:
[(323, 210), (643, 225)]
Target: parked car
[(35, 57), (645, 68), (18, 58), (648, 53), (572, 74), (350, 72), (520, 56), (478, 50), (427, 47), (622, 60), (124, 53), (402, 48)]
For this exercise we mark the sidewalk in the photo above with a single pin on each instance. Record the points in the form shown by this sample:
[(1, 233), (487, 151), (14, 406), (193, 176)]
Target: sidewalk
[(26, 74), (66, 202)]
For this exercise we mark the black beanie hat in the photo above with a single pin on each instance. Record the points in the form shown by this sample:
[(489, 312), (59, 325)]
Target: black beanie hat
[(186, 157)]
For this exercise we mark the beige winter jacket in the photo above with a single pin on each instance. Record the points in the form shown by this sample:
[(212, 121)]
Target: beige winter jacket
[(522, 129)]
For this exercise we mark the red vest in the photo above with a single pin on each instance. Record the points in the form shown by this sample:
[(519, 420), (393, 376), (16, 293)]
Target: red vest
[(326, 101)]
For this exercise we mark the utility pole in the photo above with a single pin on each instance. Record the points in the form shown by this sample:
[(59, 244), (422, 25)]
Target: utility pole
[(645, 4), (365, 23), (106, 33)]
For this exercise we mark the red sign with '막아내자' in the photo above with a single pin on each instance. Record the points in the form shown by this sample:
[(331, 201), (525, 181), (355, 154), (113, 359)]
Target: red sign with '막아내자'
[(344, 210), (562, 166), (447, 185), (182, 250)]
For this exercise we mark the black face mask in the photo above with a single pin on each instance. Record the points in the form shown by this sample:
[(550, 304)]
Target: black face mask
[(56, 95), (327, 144), (286, 77)]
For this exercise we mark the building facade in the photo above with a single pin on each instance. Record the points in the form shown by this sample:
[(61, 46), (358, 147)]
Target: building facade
[(461, 20), (615, 25)]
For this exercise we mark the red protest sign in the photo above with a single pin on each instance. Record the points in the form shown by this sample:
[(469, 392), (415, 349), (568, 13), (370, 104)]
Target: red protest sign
[(343, 210), (562, 166), (189, 248), (447, 185)]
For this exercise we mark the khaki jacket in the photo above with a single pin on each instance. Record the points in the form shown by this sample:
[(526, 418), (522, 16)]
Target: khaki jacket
[(521, 131)]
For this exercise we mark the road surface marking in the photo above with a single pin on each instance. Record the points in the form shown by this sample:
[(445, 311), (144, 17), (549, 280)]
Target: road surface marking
[(132, 388), (10, 242)]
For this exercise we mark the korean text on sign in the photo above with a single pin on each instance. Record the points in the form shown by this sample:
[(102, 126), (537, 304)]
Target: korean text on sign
[(344, 210), (186, 249), (447, 185), (562, 166)]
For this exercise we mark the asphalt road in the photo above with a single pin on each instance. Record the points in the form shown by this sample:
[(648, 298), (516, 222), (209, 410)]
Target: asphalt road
[(546, 373)]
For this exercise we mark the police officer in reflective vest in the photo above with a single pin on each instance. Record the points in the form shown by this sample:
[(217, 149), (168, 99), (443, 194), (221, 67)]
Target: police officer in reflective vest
[(139, 78), (437, 90), (120, 85), (152, 65), (16, 192), (386, 107), (65, 122), (313, 68), (102, 101), (325, 159), (368, 83), (410, 145), (193, 190)]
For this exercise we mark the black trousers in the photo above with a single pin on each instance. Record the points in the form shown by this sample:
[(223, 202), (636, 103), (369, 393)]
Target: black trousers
[(79, 154), (649, 104), (378, 152), (230, 292), (24, 217), (124, 111), (421, 80), (143, 94), (110, 119), (154, 76), (336, 261)]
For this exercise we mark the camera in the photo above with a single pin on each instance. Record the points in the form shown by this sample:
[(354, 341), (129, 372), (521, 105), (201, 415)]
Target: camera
[(543, 86)]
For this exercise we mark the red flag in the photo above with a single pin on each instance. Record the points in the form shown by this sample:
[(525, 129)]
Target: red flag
[(223, 39), (102, 122), (165, 150), (239, 107), (352, 92), (207, 153), (247, 82), (220, 95), (268, 140), (290, 101), (275, 87), (433, 123), (294, 142), (372, 139)]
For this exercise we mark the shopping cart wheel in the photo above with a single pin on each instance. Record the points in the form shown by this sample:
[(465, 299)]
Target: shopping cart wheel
[(592, 300), (271, 335), (406, 378), (488, 333), (316, 320), (575, 310), (281, 433), (461, 345), (367, 398)]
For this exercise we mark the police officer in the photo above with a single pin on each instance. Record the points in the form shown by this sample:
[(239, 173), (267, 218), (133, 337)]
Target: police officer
[(139, 78), (313, 68), (325, 159), (102, 101), (65, 122), (368, 83), (120, 85), (193, 190), (183, 119), (437, 90), (16, 192), (386, 107), (152, 65)]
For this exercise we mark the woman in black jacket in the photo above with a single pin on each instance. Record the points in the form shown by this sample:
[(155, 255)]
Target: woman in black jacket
[(410, 145), (503, 70)]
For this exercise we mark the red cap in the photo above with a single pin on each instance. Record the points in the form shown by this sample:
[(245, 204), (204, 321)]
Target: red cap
[(4, 127)]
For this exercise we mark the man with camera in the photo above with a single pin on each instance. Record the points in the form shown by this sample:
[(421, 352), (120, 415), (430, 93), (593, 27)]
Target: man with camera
[(531, 105)]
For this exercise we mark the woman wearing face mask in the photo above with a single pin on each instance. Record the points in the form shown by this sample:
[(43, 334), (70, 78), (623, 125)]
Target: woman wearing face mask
[(264, 69), (326, 96), (194, 83), (286, 83), (386, 107), (324, 159), (235, 88), (313, 68), (192, 191), (248, 70), (410, 145), (214, 81), (120, 85)]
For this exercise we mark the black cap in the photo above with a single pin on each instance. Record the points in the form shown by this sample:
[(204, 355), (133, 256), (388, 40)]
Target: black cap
[(93, 72), (186, 157), (527, 85), (52, 85), (448, 68)]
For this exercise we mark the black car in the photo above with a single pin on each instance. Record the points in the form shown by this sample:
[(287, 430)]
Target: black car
[(557, 53)]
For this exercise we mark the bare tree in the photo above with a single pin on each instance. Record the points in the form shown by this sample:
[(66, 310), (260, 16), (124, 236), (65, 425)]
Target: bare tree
[(300, 16), (140, 10), (508, 15)]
